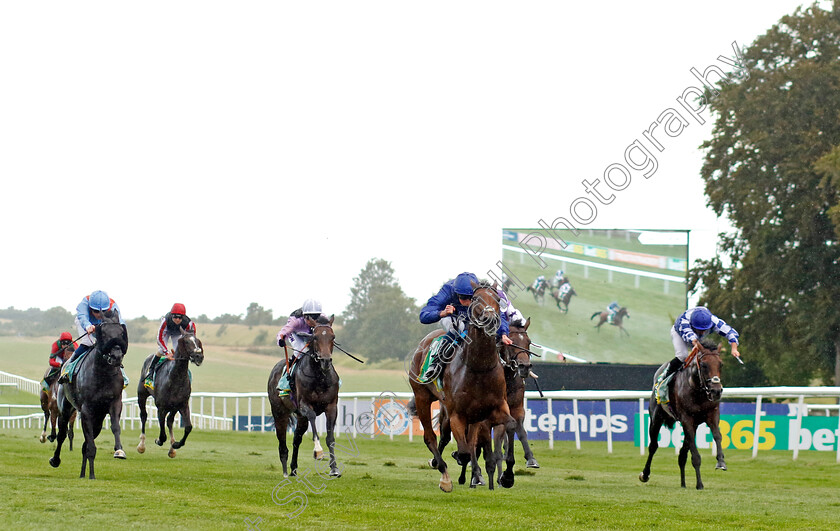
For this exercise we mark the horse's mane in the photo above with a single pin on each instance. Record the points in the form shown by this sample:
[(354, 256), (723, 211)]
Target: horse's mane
[(323, 320), (709, 344), (519, 323), (484, 284)]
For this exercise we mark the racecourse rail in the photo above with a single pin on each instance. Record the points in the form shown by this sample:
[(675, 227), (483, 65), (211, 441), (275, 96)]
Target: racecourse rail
[(224, 411)]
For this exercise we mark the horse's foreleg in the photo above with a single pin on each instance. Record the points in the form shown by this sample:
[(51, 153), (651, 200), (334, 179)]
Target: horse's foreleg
[(185, 416), (331, 414), (445, 437), (713, 425), (170, 420), (161, 438), (300, 430), (281, 426), (55, 460), (89, 446), (47, 416), (472, 441), (459, 433), (70, 425), (690, 431), (116, 429), (519, 415), (502, 416)]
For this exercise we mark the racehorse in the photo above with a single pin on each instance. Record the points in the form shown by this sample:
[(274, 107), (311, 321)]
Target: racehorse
[(695, 392), (95, 391), (539, 293), (316, 392), (49, 405), (617, 319), (563, 294), (473, 391), (517, 364), (172, 391)]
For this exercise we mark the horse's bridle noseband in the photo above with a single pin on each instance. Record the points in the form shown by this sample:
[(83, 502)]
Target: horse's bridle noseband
[(704, 384)]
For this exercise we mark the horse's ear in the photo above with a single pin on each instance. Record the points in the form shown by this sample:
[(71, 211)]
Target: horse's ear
[(473, 284), (332, 318), (527, 323)]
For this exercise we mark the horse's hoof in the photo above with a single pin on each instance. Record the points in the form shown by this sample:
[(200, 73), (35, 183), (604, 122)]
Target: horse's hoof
[(445, 486), (43, 438), (55, 461), (318, 455), (433, 463), (140, 448), (171, 453), (643, 478), (699, 486), (532, 463), (52, 438), (335, 473), (119, 454), (720, 467), (158, 442), (506, 480), (462, 480), (177, 445)]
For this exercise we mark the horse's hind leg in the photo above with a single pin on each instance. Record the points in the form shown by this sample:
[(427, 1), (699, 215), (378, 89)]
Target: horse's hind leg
[(424, 413), (161, 438), (185, 415), (653, 434), (70, 431), (300, 430), (55, 460), (116, 429), (141, 403), (690, 445)]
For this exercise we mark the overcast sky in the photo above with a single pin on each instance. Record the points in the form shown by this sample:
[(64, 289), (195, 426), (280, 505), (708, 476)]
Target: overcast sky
[(223, 153)]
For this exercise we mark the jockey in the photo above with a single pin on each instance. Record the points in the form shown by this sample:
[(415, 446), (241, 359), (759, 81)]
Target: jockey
[(301, 321), (60, 349), (172, 327), (89, 313), (612, 309), (454, 297), (538, 282), (687, 330), (513, 315), (559, 278)]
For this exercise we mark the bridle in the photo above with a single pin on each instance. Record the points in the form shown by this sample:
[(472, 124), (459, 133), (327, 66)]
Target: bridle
[(705, 383)]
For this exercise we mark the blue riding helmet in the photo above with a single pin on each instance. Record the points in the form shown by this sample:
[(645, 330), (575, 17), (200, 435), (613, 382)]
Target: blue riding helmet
[(701, 319), (99, 300), (463, 284)]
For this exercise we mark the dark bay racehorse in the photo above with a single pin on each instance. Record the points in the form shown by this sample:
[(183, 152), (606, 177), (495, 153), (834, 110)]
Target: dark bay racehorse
[(96, 391), (49, 405), (695, 393), (316, 392), (171, 393), (563, 295), (473, 391), (539, 293), (617, 320), (517, 364)]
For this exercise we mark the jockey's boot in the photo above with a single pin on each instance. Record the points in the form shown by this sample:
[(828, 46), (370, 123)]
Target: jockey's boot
[(673, 367), (443, 350), (149, 382)]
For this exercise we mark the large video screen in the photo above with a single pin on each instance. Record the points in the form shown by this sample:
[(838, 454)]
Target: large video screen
[(584, 272)]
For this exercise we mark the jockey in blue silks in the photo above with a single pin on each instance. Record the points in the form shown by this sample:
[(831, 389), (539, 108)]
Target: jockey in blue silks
[(453, 299), (89, 313), (687, 330)]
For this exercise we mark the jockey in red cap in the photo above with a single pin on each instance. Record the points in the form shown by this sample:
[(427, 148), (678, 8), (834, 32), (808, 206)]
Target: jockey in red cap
[(61, 350), (172, 327)]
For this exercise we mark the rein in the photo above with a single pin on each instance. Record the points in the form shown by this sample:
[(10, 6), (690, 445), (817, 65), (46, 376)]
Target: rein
[(704, 384)]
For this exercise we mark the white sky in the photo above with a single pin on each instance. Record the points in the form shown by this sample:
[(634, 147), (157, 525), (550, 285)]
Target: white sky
[(222, 153)]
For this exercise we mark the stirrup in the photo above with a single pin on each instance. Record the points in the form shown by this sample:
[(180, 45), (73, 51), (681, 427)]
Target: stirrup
[(149, 384)]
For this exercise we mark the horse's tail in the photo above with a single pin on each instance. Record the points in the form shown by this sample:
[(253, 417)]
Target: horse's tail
[(412, 407), (594, 314)]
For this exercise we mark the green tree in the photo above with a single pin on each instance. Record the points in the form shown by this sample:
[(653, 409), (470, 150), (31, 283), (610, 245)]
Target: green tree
[(380, 322), (772, 167), (257, 315)]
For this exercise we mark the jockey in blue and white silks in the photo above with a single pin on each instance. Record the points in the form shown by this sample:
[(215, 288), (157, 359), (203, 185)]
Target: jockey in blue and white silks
[(559, 278), (687, 330)]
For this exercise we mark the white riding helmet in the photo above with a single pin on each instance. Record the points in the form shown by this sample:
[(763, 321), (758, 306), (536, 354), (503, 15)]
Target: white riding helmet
[(311, 307)]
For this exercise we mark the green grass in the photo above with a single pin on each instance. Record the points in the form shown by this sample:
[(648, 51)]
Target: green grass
[(652, 313), (220, 479)]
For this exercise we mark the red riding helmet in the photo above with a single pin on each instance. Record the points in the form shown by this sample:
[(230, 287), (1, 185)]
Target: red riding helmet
[(65, 336), (179, 309)]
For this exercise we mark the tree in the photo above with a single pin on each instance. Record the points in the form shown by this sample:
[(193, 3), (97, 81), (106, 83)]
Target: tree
[(380, 322), (257, 315), (772, 167)]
